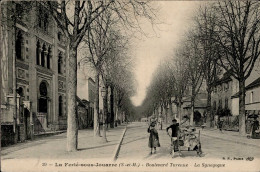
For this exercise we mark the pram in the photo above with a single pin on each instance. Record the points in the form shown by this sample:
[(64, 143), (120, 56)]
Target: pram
[(187, 140)]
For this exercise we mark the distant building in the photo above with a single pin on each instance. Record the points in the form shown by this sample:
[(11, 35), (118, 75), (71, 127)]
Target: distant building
[(82, 111), (200, 106), (223, 89), (252, 99), (200, 103), (38, 46), (225, 94), (86, 90)]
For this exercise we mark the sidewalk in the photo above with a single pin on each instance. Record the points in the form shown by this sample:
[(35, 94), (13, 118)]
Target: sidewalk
[(226, 135), (230, 136), (54, 147)]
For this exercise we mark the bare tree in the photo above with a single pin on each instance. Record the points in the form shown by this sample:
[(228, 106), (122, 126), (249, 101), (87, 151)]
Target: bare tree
[(75, 18), (179, 74), (206, 24), (195, 66), (98, 43), (124, 88), (117, 62), (238, 36)]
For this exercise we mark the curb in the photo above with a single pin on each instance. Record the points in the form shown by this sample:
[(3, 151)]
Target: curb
[(237, 142), (116, 152)]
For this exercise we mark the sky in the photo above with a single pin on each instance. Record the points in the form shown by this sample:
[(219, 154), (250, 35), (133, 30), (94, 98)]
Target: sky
[(176, 17)]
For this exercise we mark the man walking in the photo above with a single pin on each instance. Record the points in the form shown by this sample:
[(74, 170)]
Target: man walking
[(175, 128)]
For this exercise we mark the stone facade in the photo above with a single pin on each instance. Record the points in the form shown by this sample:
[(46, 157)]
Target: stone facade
[(83, 111), (223, 89), (86, 90), (252, 99), (39, 50)]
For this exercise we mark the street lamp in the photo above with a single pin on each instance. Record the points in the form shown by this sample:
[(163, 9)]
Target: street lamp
[(103, 94)]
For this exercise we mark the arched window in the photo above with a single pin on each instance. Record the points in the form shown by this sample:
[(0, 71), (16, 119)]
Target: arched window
[(18, 45), (60, 63), (42, 55), (43, 98), (43, 89), (45, 22), (19, 11), (38, 53), (60, 105), (226, 102), (49, 58), (20, 91), (40, 17), (214, 105), (59, 36), (220, 103)]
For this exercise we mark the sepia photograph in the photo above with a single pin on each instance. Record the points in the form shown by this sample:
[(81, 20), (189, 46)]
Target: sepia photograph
[(130, 85)]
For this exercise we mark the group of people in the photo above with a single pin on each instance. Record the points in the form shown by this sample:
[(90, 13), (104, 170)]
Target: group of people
[(154, 136), (175, 127), (254, 128)]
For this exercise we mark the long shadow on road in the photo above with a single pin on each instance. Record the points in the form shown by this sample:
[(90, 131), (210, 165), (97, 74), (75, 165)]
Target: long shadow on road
[(96, 147)]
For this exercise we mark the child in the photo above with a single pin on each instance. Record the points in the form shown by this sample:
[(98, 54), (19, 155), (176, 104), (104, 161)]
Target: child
[(154, 138)]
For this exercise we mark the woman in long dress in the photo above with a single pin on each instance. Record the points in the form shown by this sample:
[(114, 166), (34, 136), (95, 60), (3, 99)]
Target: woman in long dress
[(255, 127), (154, 138)]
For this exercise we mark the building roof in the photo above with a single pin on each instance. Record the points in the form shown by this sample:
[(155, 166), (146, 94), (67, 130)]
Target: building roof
[(199, 97), (90, 79), (85, 101), (200, 101), (225, 78), (255, 83), (80, 101)]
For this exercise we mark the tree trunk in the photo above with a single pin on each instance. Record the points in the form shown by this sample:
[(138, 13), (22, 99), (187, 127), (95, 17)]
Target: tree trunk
[(209, 115), (116, 115), (105, 112), (112, 119), (242, 111), (166, 115), (96, 110), (192, 111), (72, 129), (179, 115), (120, 115), (170, 108)]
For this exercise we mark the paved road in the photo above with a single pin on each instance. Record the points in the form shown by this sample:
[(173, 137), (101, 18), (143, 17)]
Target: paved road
[(135, 146)]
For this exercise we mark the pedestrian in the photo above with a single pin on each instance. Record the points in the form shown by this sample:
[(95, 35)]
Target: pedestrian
[(160, 123), (255, 128), (175, 128), (154, 137), (220, 125)]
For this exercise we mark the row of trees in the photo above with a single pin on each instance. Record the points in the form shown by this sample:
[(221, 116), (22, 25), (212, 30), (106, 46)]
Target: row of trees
[(224, 35), (100, 32), (99, 25)]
